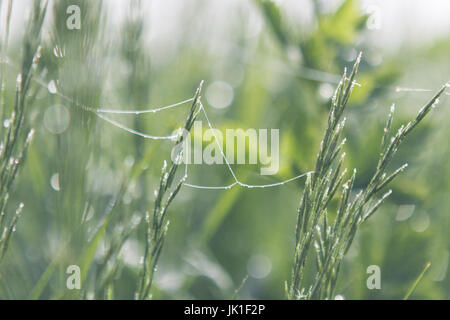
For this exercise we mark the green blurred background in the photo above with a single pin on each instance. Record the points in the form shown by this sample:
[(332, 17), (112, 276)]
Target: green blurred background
[(267, 64)]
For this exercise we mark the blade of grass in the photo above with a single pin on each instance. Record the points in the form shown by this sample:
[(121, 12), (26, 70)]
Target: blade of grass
[(415, 284), (238, 289)]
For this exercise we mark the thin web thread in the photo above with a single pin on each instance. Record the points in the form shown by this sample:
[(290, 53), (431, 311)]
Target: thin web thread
[(100, 113), (401, 89), (237, 182), (137, 112)]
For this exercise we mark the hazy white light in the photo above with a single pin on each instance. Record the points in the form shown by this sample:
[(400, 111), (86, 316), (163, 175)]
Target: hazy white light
[(439, 268), (326, 91), (259, 266), (131, 253), (374, 19), (129, 161), (56, 119), (420, 223), (171, 281), (254, 25), (219, 94), (405, 212)]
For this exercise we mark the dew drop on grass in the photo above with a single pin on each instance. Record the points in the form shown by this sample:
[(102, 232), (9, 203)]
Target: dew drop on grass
[(435, 103), (20, 208)]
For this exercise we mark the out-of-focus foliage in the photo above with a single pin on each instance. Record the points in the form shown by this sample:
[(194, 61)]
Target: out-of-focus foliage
[(87, 185)]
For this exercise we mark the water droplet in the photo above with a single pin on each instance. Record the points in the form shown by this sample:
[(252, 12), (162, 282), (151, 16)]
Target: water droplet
[(435, 103), (19, 209)]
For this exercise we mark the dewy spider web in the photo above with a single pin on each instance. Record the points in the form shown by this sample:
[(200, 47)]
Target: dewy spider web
[(236, 180), (100, 113)]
